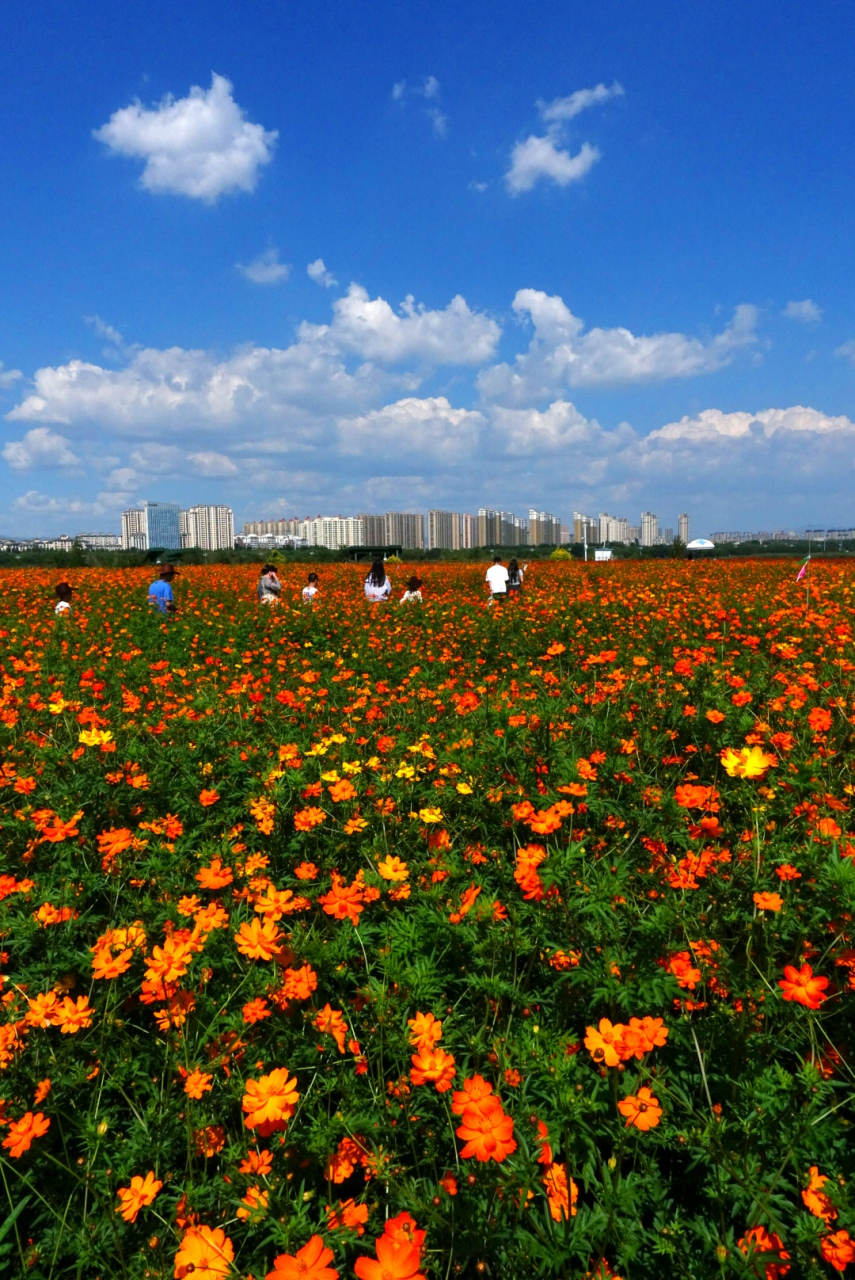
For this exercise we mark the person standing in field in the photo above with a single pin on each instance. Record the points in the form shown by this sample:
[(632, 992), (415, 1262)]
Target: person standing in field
[(413, 593), (63, 592), (310, 591), (160, 592), (515, 577), (377, 585), (269, 587), (497, 579)]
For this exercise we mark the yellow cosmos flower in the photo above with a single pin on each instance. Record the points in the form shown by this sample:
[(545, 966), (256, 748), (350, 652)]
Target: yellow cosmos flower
[(748, 762), (464, 789), (95, 737), (430, 815)]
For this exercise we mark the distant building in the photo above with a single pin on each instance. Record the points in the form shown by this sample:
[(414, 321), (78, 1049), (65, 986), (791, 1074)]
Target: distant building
[(133, 531), (565, 534), (373, 531), (162, 526), (333, 532), (99, 541), (543, 529), (441, 530), (683, 528), (501, 529), (612, 528), (649, 528), (211, 528), (405, 529), (585, 528)]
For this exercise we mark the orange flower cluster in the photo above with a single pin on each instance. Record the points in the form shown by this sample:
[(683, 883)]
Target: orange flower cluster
[(612, 1043), (488, 1133)]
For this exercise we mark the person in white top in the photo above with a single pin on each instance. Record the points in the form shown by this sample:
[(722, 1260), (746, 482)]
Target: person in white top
[(497, 577), (310, 591), (413, 593), (377, 585), (63, 593)]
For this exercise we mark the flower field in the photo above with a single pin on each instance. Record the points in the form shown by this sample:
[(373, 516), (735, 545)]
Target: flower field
[(432, 940)]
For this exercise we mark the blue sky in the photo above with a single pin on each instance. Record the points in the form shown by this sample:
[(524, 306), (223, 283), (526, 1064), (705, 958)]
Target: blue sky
[(589, 257)]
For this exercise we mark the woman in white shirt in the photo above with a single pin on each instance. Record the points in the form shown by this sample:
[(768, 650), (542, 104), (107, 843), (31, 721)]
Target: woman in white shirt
[(310, 591), (377, 585)]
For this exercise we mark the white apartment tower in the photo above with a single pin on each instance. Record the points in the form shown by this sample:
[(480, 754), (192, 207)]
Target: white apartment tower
[(683, 527), (649, 528)]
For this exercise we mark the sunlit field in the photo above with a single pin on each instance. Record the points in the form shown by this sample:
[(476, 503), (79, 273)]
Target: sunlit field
[(429, 940)]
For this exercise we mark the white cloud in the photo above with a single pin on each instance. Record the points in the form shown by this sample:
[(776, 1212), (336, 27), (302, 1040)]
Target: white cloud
[(201, 146), (317, 271), (428, 89), (212, 464), (546, 155), (413, 427), (8, 376), (105, 331), (265, 269), (540, 158), (569, 107), (370, 327), (806, 311), (562, 355), (847, 351), (44, 504), (157, 459), (713, 424), (40, 447)]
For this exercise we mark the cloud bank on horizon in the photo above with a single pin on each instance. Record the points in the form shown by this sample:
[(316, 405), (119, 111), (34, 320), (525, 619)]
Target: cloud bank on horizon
[(345, 413)]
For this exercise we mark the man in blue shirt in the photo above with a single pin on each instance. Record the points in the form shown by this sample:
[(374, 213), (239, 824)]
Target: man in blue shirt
[(160, 592)]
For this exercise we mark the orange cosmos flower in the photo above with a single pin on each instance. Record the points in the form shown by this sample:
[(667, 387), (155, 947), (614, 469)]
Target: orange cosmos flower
[(23, 1132), (270, 1101), (215, 875), (198, 1083), (448, 1182), (393, 868), (253, 1206), (208, 797), (140, 1193), (768, 901), (349, 1215), (205, 1254), (395, 1261), (331, 1021), (168, 963), (344, 901), (787, 872), (473, 1095), (425, 1030), (259, 939), (816, 1201), (759, 1240), (642, 1110), (210, 1140), (354, 825), (433, 1066), (309, 1263), (43, 1088), (819, 720), (715, 717), (838, 1250), (255, 1011), (72, 1015), (603, 1042), (300, 983), (803, 986), (106, 965), (258, 1163), (828, 828), (341, 791), (305, 819), (487, 1132), (562, 1199), (307, 871)]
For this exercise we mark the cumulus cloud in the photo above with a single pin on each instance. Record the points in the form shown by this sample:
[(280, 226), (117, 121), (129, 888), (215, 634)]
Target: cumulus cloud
[(39, 448), (846, 351), (317, 271), (201, 146), (807, 311), (370, 327), (546, 155), (265, 269), (8, 376), (211, 465), (562, 354), (44, 504), (413, 427)]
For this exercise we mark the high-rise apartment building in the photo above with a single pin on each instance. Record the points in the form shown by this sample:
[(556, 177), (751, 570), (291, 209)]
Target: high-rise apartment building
[(585, 528), (443, 529), (373, 530), (543, 529), (683, 527), (211, 528), (649, 528), (133, 531), (468, 532), (501, 529), (405, 529), (612, 528), (333, 532)]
